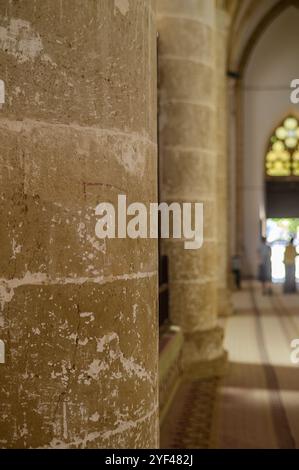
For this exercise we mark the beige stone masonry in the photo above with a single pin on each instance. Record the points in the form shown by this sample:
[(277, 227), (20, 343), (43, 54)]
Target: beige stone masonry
[(78, 314), (224, 296), (188, 153)]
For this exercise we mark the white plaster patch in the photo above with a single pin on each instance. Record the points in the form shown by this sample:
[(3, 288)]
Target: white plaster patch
[(122, 5), (95, 417), (16, 249), (131, 156), (96, 244), (73, 337), (37, 100), (7, 286), (2, 93), (95, 369), (6, 294), (101, 343), (81, 230), (83, 342), (24, 429), (65, 430), (28, 125), (20, 40), (129, 365), (123, 427), (2, 352), (36, 331), (17, 91), (135, 308), (89, 315)]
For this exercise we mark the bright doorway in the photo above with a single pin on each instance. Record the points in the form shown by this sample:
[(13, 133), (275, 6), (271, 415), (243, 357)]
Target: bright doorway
[(279, 232)]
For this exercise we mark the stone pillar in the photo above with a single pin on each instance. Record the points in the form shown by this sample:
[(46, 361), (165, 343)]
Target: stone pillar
[(78, 315), (187, 102), (223, 248), (232, 165)]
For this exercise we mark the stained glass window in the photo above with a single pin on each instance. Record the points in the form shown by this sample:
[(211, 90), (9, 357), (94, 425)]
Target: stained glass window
[(283, 154)]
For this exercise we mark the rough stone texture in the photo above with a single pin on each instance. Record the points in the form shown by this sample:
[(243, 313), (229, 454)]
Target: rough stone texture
[(78, 315), (170, 369), (224, 300), (188, 149)]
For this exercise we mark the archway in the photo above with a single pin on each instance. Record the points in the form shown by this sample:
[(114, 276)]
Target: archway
[(261, 96), (282, 171), (282, 191)]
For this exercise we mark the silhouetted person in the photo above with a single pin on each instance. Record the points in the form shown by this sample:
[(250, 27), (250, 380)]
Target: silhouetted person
[(265, 268), (290, 268), (236, 270)]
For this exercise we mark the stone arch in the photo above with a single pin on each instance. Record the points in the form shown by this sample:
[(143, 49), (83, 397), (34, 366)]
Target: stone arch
[(281, 169), (250, 24)]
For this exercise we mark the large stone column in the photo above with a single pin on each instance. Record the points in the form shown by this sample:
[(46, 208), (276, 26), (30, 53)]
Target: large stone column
[(78, 315), (188, 152), (223, 248)]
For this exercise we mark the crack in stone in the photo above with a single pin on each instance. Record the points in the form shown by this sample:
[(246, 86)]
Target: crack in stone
[(72, 369)]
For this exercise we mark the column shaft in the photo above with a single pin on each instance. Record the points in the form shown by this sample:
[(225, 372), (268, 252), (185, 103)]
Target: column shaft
[(224, 301), (188, 149), (78, 314)]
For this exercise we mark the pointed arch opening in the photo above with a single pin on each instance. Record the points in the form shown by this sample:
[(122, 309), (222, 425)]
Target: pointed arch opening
[(282, 170), (282, 158)]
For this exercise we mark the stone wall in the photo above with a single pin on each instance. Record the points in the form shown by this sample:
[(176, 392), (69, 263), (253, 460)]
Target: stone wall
[(78, 315)]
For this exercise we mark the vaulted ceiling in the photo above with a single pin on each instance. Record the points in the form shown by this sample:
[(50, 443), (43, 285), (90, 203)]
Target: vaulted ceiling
[(249, 19)]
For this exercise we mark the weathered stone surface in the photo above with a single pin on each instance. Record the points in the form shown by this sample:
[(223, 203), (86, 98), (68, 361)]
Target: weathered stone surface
[(181, 178), (70, 62), (223, 265), (188, 145), (187, 124), (206, 344), (78, 315), (185, 38), (186, 265), (196, 9), (186, 80), (193, 304), (53, 177), (79, 364)]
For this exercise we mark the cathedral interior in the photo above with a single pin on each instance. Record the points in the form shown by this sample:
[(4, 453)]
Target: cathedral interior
[(139, 343)]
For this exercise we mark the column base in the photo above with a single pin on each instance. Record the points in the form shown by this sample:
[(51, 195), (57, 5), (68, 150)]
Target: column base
[(203, 354), (170, 369), (207, 369), (225, 306)]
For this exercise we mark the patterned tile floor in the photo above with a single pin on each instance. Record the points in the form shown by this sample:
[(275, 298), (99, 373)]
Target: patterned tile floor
[(257, 404), (189, 422)]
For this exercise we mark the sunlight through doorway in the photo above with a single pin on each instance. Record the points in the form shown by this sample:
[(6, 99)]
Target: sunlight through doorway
[(279, 232)]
